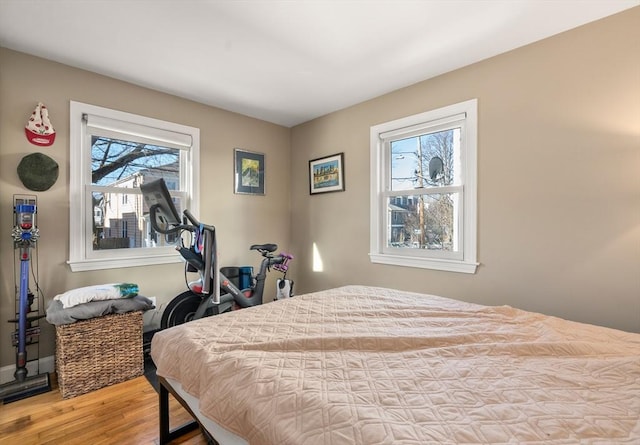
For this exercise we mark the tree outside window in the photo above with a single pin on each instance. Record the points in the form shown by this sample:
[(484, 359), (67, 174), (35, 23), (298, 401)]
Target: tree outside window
[(422, 164)]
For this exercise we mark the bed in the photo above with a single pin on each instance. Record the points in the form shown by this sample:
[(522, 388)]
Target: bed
[(367, 365)]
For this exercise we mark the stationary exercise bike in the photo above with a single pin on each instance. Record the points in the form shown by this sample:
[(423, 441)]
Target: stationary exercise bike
[(212, 293)]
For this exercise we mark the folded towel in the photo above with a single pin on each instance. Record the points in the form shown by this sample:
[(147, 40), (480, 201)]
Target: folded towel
[(97, 293), (56, 315)]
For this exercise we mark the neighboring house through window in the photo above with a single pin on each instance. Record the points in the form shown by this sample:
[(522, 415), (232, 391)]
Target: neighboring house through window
[(423, 190), (112, 153)]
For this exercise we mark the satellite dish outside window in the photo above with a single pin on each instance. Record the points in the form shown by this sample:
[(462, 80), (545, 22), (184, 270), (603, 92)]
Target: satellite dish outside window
[(436, 168)]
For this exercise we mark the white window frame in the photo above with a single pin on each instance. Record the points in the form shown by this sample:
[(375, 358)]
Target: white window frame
[(466, 260), (132, 127)]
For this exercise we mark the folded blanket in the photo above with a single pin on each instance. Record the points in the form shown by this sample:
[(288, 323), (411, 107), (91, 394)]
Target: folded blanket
[(58, 315), (97, 293)]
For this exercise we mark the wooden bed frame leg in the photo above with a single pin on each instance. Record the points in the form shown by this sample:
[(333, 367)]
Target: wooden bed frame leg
[(166, 433)]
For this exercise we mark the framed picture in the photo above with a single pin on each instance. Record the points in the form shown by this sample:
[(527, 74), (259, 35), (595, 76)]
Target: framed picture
[(326, 174), (249, 172)]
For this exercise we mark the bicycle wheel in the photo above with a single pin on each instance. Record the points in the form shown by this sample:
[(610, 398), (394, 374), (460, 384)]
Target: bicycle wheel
[(180, 310)]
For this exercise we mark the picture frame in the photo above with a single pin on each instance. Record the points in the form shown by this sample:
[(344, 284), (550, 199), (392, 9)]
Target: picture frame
[(326, 174), (249, 171)]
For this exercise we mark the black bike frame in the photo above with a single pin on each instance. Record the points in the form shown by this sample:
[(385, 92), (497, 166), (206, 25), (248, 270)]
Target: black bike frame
[(202, 255)]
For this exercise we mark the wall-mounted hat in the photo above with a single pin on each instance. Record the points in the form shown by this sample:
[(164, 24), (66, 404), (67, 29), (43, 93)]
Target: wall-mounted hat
[(39, 130), (38, 172)]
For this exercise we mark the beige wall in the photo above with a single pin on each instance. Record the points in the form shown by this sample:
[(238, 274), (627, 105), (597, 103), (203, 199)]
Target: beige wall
[(558, 169), (559, 187), (241, 220)]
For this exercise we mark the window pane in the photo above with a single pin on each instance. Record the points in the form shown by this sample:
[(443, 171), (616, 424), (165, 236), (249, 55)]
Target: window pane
[(423, 222), (427, 160), (121, 221), (114, 162)]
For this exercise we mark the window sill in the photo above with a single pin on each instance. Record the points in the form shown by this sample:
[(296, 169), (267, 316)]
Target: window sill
[(116, 263), (425, 263)]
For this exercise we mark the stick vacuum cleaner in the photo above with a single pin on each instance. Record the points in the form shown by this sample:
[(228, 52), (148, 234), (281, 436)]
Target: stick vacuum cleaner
[(25, 234)]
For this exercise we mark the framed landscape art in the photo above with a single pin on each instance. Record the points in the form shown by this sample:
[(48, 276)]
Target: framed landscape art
[(326, 174)]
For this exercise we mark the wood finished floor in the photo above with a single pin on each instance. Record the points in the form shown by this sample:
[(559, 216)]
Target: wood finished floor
[(126, 413)]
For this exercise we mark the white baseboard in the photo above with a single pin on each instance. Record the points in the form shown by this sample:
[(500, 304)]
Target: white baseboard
[(47, 364)]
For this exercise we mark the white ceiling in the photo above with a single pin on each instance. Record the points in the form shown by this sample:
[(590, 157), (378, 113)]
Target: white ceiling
[(284, 61)]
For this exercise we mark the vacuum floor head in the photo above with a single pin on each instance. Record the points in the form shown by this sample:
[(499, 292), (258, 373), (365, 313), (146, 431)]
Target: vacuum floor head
[(31, 386)]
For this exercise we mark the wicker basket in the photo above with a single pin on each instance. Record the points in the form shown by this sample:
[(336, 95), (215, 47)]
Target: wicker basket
[(98, 352)]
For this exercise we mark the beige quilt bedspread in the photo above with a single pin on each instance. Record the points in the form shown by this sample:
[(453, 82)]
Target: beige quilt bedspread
[(364, 365)]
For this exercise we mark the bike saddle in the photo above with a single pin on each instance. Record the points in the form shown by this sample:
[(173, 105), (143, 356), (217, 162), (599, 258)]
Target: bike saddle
[(265, 247)]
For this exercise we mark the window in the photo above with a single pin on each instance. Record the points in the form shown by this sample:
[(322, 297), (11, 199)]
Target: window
[(423, 190), (111, 154)]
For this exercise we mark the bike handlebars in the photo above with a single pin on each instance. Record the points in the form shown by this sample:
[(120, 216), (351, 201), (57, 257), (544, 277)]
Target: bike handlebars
[(284, 265)]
